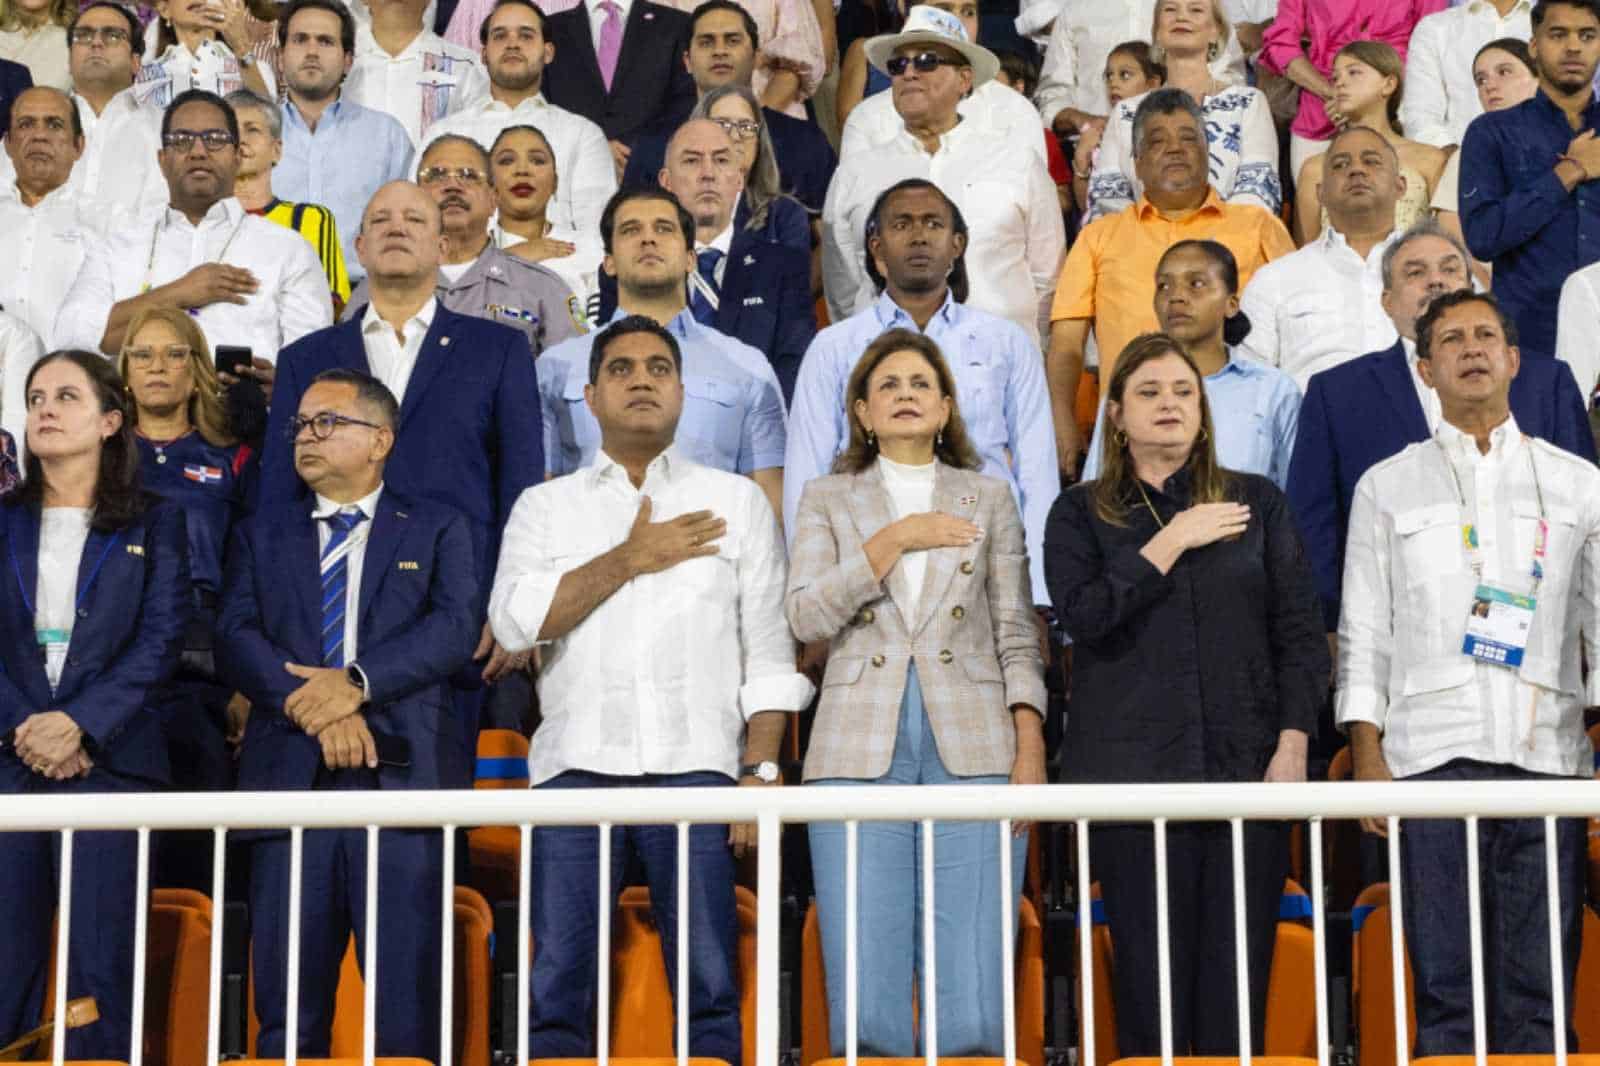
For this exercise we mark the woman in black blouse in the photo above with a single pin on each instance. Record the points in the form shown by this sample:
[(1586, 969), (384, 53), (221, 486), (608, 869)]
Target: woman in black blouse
[(1199, 656)]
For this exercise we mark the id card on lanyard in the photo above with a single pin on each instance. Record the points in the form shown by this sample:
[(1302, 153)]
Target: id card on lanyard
[(1500, 619)]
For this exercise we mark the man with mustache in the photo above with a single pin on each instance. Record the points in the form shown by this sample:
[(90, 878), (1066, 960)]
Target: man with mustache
[(1318, 307), (335, 152), (516, 52), (1429, 690), (246, 281), (475, 277), (1529, 201)]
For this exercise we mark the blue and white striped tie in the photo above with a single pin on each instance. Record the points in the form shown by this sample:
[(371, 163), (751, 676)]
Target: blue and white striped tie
[(334, 584)]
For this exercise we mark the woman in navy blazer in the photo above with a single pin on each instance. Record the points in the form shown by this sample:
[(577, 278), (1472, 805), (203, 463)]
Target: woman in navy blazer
[(94, 597)]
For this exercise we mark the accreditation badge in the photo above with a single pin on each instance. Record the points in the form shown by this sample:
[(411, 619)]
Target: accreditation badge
[(1498, 625)]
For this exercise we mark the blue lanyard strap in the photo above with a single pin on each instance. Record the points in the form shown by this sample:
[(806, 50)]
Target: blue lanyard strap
[(27, 600)]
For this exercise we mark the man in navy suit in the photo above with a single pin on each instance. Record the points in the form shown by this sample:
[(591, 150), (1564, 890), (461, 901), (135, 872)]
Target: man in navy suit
[(749, 288), (1361, 412), (345, 615), (723, 42), (469, 436), (642, 45)]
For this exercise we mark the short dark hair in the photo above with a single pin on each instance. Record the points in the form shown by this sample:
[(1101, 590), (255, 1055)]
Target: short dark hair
[(608, 217), (1236, 327), (347, 22), (119, 496), (200, 96), (457, 138), (623, 327), (1022, 72), (483, 27), (135, 31), (1515, 47), (72, 108), (725, 5), (959, 285), (1441, 304), (1542, 8), (1141, 53), (371, 393), (1167, 101)]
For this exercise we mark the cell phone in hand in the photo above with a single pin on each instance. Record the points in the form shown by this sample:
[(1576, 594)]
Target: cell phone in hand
[(233, 359)]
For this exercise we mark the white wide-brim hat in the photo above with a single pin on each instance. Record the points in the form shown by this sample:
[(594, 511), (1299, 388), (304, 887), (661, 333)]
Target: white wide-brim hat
[(929, 25)]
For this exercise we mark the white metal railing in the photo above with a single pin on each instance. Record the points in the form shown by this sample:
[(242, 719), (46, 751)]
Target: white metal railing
[(770, 809)]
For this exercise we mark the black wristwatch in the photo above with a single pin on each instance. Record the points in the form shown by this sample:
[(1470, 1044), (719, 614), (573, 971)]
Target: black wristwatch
[(763, 771), (357, 677)]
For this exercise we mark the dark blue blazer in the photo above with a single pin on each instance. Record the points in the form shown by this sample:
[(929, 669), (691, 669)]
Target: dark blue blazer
[(1362, 412), (806, 161), (651, 85), (133, 605), (419, 618), (14, 78), (765, 302), (470, 434)]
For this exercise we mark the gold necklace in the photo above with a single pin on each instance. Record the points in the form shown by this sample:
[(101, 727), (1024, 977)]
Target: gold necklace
[(1148, 505)]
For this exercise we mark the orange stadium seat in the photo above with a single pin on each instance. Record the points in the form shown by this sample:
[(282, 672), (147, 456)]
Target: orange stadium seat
[(815, 1025), (494, 851), (1372, 987), (1291, 991)]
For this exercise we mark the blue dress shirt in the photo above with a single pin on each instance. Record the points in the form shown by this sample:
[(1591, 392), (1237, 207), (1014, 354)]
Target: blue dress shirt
[(1000, 391), (353, 152), (732, 418), (1255, 410), (1516, 214)]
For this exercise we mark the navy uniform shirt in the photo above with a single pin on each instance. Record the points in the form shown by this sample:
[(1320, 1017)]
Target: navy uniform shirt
[(209, 483)]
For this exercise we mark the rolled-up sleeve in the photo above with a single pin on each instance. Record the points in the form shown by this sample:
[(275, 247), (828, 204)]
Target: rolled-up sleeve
[(527, 576), (771, 682), (1366, 618)]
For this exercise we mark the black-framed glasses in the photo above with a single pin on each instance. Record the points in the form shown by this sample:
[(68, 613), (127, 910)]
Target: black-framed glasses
[(925, 62), (440, 175), (174, 355), (106, 35), (184, 140), (323, 423), (738, 129)]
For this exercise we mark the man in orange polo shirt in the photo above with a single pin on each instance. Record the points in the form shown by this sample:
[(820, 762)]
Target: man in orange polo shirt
[(1108, 282)]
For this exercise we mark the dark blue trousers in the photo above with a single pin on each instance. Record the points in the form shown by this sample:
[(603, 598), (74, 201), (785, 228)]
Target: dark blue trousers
[(1516, 928), (100, 948), (333, 905), (565, 903)]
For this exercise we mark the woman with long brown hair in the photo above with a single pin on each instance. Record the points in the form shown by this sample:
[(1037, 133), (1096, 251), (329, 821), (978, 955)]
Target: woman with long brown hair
[(1198, 656), (912, 566), (92, 616)]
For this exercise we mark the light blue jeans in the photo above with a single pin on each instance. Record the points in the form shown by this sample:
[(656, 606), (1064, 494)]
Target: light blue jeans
[(889, 905)]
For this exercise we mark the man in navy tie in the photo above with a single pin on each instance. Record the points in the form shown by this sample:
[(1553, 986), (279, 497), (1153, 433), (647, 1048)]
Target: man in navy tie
[(346, 614)]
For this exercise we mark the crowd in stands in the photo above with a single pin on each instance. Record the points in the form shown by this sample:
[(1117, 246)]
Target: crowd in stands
[(673, 380)]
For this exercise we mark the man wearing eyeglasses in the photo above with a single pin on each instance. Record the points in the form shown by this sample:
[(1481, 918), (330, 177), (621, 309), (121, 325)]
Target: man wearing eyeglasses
[(347, 664), (475, 277), (516, 52), (246, 281), (1003, 191)]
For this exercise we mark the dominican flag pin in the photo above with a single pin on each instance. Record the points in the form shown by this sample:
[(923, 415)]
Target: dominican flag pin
[(967, 501), (205, 475)]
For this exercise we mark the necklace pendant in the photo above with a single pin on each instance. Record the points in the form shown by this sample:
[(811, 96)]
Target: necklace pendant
[(161, 457)]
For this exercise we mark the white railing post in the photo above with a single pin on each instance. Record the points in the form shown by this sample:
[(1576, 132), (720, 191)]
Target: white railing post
[(930, 968), (1318, 933), (681, 993), (291, 1005), (1163, 943), (141, 931), (219, 870), (1558, 983), (447, 951), (1085, 946), (369, 991), (1397, 945), (524, 937), (852, 957), (602, 960), (1480, 1025), (1241, 950), (768, 889), (58, 1043), (1008, 921)]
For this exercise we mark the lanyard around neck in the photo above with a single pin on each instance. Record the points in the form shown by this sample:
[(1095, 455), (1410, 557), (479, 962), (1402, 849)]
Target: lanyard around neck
[(155, 239), (1469, 529)]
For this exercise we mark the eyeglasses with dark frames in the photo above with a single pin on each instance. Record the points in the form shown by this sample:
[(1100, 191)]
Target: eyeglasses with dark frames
[(323, 424), (738, 129), (440, 175), (184, 140)]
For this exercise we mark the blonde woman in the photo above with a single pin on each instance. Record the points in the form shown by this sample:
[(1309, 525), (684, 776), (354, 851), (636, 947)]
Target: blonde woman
[(34, 33)]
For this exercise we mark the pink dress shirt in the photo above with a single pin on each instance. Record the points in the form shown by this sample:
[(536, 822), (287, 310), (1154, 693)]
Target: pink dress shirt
[(1330, 25)]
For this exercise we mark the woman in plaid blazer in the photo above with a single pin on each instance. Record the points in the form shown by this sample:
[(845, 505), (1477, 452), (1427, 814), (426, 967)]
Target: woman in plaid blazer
[(912, 566)]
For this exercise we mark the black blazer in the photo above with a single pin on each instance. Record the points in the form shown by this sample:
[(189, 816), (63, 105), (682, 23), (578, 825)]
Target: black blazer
[(652, 85), (1188, 675), (14, 78), (765, 302)]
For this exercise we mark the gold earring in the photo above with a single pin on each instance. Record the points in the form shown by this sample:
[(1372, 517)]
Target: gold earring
[(938, 438), (1120, 438), (1203, 434), (872, 439)]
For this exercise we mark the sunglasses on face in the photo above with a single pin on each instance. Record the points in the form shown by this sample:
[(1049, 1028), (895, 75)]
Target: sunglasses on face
[(925, 62)]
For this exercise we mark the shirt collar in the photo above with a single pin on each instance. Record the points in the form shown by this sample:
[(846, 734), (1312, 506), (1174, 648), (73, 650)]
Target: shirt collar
[(226, 211), (891, 314), (1591, 114), (1237, 367), (665, 467), (1212, 204), (1479, 7), (489, 105), (1332, 238), (9, 193), (367, 505), (593, 7), (682, 324), (330, 114), (721, 242), (1409, 346), (371, 323), (1504, 440)]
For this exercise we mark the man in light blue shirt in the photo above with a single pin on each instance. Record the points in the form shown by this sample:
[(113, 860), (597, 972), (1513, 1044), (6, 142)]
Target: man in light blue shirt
[(733, 416), (335, 152), (915, 241)]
